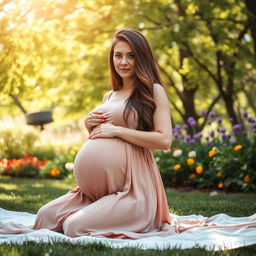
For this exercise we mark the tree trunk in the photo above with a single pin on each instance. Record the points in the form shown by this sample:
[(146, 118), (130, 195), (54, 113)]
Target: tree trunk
[(251, 9), (229, 104)]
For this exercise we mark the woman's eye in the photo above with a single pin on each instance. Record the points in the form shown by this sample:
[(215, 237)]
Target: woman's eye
[(118, 56), (131, 56)]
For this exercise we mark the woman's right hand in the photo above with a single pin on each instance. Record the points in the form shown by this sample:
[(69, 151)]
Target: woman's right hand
[(95, 118)]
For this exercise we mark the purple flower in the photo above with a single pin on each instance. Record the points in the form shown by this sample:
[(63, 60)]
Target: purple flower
[(254, 126), (203, 113), (233, 142), (177, 127), (226, 136), (219, 120), (191, 142), (231, 120), (197, 136), (245, 114), (212, 114), (176, 136), (192, 121), (237, 127), (208, 143), (209, 122), (254, 130), (221, 130), (225, 145), (187, 137), (212, 134), (250, 120), (185, 126)]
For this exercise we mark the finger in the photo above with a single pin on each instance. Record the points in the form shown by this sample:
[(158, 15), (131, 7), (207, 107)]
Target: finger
[(95, 135), (97, 112)]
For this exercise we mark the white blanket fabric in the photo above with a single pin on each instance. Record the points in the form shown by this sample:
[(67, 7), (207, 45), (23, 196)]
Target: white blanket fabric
[(209, 237)]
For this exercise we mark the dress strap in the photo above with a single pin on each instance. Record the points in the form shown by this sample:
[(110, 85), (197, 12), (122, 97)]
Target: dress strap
[(110, 95)]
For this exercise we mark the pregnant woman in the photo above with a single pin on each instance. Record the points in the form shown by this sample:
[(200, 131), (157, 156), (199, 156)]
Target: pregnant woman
[(120, 192)]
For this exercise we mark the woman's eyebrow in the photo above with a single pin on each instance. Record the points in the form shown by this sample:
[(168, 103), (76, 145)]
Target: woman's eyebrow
[(126, 53)]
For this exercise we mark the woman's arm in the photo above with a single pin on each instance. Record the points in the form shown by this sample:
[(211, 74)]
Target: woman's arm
[(161, 137)]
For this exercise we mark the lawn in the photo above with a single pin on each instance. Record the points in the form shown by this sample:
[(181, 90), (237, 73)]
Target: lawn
[(28, 195)]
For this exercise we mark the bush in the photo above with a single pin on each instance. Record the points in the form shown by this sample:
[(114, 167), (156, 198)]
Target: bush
[(61, 167), (215, 160), (14, 143)]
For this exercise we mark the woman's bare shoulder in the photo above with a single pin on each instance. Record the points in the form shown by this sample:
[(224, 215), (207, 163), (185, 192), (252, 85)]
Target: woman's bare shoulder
[(158, 90)]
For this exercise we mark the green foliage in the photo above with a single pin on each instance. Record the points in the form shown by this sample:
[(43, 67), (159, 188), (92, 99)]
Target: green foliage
[(54, 54), (61, 167), (16, 141)]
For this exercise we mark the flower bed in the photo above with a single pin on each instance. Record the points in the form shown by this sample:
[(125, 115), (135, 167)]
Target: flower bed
[(213, 158), (28, 166)]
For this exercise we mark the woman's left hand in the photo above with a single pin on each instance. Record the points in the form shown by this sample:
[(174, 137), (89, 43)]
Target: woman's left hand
[(103, 130)]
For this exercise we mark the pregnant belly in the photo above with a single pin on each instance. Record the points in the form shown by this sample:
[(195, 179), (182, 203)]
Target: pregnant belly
[(100, 167)]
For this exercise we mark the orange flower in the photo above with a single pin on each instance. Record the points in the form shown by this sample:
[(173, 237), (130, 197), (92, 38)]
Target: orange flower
[(220, 185), (199, 169), (219, 174), (246, 178), (54, 172), (176, 167), (190, 161), (238, 147), (173, 180), (212, 152)]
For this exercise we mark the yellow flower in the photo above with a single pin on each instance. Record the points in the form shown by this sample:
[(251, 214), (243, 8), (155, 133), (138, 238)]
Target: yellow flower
[(199, 169), (220, 185), (219, 174), (176, 167), (190, 161), (246, 178), (212, 152), (238, 147), (54, 172)]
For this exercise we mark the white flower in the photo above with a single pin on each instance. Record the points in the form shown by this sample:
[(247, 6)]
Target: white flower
[(214, 193), (177, 153), (157, 158), (69, 166), (192, 154)]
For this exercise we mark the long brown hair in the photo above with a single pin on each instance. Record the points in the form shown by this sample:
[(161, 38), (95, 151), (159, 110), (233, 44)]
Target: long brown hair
[(146, 72)]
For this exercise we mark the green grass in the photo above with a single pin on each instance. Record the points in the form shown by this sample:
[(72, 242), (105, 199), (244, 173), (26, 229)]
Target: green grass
[(28, 195)]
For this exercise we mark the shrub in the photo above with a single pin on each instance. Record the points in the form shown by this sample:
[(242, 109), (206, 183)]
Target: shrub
[(216, 160), (14, 143), (61, 167)]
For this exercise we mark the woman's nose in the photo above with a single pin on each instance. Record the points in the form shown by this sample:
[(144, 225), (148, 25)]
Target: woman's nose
[(124, 60)]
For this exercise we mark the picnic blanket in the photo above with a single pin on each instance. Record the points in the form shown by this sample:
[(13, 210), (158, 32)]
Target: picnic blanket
[(221, 232)]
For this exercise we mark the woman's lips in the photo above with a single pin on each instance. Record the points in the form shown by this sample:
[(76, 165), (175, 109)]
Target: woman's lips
[(124, 70)]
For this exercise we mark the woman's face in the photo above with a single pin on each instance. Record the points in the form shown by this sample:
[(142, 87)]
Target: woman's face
[(123, 59)]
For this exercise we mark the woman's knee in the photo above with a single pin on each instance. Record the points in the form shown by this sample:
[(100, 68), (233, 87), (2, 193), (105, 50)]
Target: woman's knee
[(70, 226)]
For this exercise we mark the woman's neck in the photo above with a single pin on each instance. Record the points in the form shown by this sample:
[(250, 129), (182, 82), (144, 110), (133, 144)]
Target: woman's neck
[(128, 84)]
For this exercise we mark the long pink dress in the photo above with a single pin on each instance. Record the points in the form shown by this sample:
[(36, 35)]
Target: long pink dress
[(120, 193)]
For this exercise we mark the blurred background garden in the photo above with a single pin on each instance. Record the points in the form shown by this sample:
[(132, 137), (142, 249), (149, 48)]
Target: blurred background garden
[(54, 60)]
